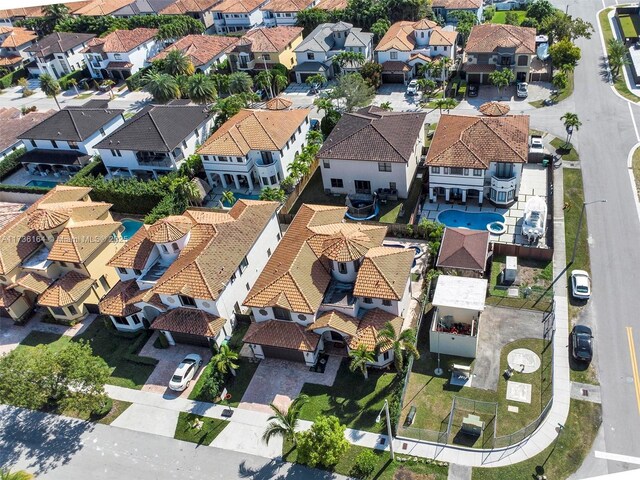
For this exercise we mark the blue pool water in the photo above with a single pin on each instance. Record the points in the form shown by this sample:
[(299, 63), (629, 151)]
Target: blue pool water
[(473, 221), (130, 228), (41, 183), (242, 195)]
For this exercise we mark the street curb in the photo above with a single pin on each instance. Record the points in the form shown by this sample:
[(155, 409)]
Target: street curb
[(632, 177)]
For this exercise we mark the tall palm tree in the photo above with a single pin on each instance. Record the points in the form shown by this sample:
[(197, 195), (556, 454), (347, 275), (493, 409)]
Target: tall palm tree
[(184, 187), (323, 104), (445, 65), (427, 86), (264, 80), (240, 82), (108, 84), (201, 88), (280, 82), (228, 197), (50, 87), (617, 55), (273, 194), (314, 137), (283, 424), (445, 104), (360, 358), (225, 360), (344, 58), (221, 82), (177, 63), (162, 86), (7, 474), (426, 70), (405, 341), (571, 122), (56, 12), (74, 83)]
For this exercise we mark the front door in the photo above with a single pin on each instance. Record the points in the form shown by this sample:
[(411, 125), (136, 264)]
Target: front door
[(363, 186), (521, 77)]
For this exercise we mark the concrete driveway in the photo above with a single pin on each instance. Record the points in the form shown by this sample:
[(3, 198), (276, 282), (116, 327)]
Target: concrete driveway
[(168, 360), (148, 419)]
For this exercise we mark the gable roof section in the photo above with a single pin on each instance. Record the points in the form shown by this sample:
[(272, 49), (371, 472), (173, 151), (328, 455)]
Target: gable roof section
[(280, 334), (336, 320), (33, 282), (142, 7), (77, 242), (67, 290), (384, 273), (489, 37), (156, 128), (134, 253), (201, 49), (321, 38), (475, 142), (121, 41), (117, 301), (332, 4), (254, 130), (18, 36), (401, 36), (464, 249), (72, 124), (189, 321), (388, 136), (58, 42), (98, 8), (237, 6), (274, 39), (457, 4), (369, 328), (288, 5), (14, 124), (181, 7)]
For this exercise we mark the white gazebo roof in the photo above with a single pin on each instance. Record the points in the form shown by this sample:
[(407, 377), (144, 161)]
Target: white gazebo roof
[(460, 292)]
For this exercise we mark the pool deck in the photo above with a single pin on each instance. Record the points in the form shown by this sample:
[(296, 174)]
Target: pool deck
[(22, 177), (533, 183), (215, 196)]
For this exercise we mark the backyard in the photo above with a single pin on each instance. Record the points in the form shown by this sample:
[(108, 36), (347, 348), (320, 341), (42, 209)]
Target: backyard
[(501, 16), (630, 24), (535, 279)]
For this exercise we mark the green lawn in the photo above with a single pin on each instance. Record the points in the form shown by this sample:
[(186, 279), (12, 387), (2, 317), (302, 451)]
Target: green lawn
[(313, 193), (535, 275), (354, 400), (561, 458), (630, 24), (563, 93), (567, 152), (187, 430), (500, 17), (390, 212), (117, 408)]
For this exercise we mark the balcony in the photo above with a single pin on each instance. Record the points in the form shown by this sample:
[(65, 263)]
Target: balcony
[(266, 159), (154, 159), (503, 182)]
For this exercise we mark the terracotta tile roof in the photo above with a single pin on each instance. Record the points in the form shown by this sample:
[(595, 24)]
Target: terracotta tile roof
[(464, 249), (287, 5), (254, 130), (26, 12), (276, 333), (8, 296), (98, 8), (395, 66), (237, 6), (384, 273), (278, 103), (457, 4), (18, 36), (372, 322), (336, 320), (134, 253), (208, 216), (67, 290), (78, 241), (388, 136), (201, 49), (274, 39), (441, 37), (332, 4), (10, 61), (33, 282), (489, 37), (10, 211), (494, 109), (478, 67), (424, 24), (14, 124), (214, 252), (401, 36), (190, 321), (187, 6), (475, 142), (169, 229), (121, 41), (420, 56), (118, 301), (45, 219), (347, 246)]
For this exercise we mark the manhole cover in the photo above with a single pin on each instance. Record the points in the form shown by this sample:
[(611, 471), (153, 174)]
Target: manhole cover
[(523, 360)]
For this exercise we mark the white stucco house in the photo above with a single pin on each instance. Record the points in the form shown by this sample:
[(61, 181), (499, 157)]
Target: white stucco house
[(284, 12), (478, 157), (206, 52), (328, 288), (237, 15), (350, 164), (254, 148), (167, 281), (59, 53), (156, 140), (14, 42)]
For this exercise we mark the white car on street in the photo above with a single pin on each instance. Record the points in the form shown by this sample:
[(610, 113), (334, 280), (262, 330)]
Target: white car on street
[(522, 89), (580, 285), (185, 372), (412, 88)]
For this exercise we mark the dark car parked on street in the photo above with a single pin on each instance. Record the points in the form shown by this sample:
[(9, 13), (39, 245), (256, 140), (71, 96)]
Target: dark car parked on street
[(581, 343)]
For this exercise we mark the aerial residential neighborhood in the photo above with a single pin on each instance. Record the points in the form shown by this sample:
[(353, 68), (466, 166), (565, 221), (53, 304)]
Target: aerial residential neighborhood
[(365, 239)]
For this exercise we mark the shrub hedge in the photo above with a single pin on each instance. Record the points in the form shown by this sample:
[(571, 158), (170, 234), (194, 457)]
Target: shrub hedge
[(95, 168), (77, 74), (11, 163), (135, 81), (12, 78), (23, 189)]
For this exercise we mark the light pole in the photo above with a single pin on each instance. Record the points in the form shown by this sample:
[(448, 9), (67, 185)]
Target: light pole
[(389, 433), (575, 241)]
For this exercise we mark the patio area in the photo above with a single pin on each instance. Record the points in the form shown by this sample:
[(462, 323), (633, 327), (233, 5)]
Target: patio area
[(24, 178), (533, 183), (214, 197)]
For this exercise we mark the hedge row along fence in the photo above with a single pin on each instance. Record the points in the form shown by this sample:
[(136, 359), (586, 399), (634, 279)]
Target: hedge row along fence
[(77, 75), (12, 78)]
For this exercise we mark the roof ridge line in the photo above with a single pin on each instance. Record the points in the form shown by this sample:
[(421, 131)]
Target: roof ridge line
[(74, 124), (497, 134), (265, 129), (158, 130)]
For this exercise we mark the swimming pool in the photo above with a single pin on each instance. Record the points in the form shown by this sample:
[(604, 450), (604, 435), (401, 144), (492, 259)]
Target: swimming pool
[(130, 227), (473, 221), (242, 195), (41, 183)]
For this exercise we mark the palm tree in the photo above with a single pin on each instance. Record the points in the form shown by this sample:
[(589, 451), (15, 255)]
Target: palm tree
[(177, 63), (240, 82), (283, 424), (405, 341), (221, 82), (386, 106), (228, 197), (74, 83), (360, 358), (323, 104), (264, 80), (426, 70), (617, 55), (224, 360), (571, 121), (445, 63), (50, 87), (201, 88), (344, 58), (427, 86), (445, 103), (7, 474), (56, 12), (162, 86), (280, 82), (273, 194), (314, 137), (184, 187)]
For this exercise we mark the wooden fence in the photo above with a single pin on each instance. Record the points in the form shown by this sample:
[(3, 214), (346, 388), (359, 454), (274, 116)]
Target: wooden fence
[(523, 251), (297, 191)]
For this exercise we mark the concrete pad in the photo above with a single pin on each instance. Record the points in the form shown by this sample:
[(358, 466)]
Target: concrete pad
[(247, 439), (512, 409), (523, 360), (144, 418), (513, 292), (519, 392)]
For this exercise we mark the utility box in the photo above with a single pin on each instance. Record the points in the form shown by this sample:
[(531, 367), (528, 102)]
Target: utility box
[(510, 270)]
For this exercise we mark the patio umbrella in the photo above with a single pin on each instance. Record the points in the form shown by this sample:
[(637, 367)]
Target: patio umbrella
[(494, 109)]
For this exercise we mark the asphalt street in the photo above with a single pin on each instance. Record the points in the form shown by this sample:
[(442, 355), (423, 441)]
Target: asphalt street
[(59, 448)]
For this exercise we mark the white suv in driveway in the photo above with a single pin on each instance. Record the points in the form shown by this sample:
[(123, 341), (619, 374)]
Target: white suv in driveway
[(522, 89), (185, 372)]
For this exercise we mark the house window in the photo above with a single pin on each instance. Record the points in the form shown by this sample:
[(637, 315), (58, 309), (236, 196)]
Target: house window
[(337, 183), (33, 143), (435, 49), (421, 34), (120, 321), (523, 61), (393, 55), (268, 252), (384, 166), (136, 271), (278, 236), (116, 153), (117, 56), (247, 286), (392, 185), (342, 267), (326, 164), (266, 56), (54, 144), (265, 181), (435, 169), (386, 303), (187, 301), (123, 271), (164, 249), (477, 172), (243, 265), (510, 194), (385, 355), (175, 247), (77, 266), (273, 179), (239, 159), (311, 56), (281, 313), (58, 311), (466, 172), (72, 310), (63, 264), (456, 171), (102, 131), (367, 300), (103, 281), (446, 170), (136, 319)]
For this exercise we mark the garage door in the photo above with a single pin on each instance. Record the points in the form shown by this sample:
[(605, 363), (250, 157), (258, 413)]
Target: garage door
[(304, 76), (284, 353), (473, 78), (190, 339), (392, 78)]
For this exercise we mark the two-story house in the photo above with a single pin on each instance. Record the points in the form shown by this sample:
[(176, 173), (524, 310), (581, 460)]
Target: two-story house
[(121, 53), (8, 17), (13, 45), (237, 15), (284, 12), (14, 124), (59, 53), (99, 8), (315, 52), (478, 157), (199, 9), (64, 142), (253, 149), (443, 9), (204, 51), (492, 47), (408, 45), (188, 275), (55, 255), (329, 286), (142, 7), (261, 48), (351, 164), (156, 140)]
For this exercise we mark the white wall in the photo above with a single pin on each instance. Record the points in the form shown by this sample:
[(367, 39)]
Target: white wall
[(62, 64), (351, 170), (309, 318), (137, 57)]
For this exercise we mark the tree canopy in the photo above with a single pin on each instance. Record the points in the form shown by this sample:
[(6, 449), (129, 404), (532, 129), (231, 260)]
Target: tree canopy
[(324, 444), (564, 53), (353, 91)]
